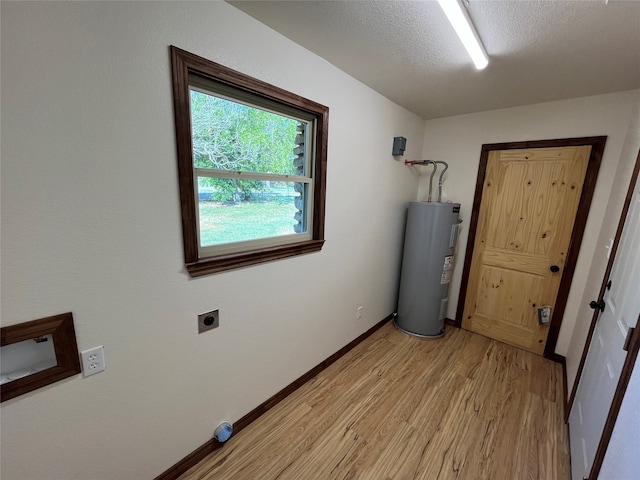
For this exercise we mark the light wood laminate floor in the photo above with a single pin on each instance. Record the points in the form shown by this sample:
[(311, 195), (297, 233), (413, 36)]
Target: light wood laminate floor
[(398, 407)]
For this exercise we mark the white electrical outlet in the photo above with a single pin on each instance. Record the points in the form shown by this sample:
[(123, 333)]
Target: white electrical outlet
[(359, 314), (93, 360)]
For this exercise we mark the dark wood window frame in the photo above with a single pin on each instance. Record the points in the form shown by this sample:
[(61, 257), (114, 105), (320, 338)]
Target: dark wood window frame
[(185, 64), (61, 329)]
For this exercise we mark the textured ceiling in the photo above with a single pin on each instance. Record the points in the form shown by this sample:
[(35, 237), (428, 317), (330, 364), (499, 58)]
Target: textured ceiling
[(406, 50)]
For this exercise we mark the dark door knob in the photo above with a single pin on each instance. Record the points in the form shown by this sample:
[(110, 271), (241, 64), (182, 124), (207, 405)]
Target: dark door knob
[(600, 305), (554, 268)]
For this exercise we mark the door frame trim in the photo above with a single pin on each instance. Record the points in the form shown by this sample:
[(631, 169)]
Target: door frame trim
[(597, 147)]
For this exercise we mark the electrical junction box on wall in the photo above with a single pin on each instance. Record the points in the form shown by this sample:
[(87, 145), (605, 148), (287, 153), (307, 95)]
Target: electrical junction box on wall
[(399, 145)]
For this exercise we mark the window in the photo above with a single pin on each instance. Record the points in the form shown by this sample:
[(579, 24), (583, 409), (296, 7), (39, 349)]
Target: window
[(251, 166)]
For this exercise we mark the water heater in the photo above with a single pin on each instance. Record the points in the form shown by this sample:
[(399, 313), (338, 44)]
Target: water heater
[(427, 265)]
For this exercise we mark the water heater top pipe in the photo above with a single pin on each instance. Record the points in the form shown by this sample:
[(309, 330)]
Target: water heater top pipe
[(446, 166), (433, 172), (418, 162), (435, 167), (426, 162)]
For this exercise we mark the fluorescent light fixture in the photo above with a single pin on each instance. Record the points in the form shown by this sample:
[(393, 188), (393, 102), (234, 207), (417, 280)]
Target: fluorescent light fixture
[(457, 15)]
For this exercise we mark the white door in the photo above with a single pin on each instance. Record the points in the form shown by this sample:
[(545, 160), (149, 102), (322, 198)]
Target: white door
[(621, 459), (606, 356)]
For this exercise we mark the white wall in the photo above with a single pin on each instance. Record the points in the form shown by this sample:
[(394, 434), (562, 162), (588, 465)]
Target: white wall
[(91, 224), (458, 140)]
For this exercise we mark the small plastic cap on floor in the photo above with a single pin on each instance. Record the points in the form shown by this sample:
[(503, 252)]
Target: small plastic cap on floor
[(223, 432)]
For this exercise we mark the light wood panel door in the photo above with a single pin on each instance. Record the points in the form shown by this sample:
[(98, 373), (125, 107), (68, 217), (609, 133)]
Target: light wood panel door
[(530, 198)]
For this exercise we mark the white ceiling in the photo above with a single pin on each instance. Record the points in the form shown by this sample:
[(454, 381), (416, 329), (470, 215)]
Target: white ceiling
[(406, 50)]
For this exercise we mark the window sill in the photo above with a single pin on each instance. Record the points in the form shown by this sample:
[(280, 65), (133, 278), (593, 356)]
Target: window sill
[(221, 263)]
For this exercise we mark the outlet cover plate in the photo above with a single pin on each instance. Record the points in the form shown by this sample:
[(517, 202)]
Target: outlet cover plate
[(208, 321), (93, 361)]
